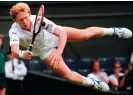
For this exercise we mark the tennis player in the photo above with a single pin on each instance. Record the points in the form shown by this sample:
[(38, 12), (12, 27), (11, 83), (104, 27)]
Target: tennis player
[(52, 36)]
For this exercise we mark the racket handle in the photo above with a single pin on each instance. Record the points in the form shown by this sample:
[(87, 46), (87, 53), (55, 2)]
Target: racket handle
[(30, 49)]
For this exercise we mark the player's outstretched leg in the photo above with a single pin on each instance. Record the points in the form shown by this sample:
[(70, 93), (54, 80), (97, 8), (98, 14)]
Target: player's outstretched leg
[(74, 34), (74, 77)]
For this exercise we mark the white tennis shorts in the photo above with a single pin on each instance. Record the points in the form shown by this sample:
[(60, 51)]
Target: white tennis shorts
[(49, 42)]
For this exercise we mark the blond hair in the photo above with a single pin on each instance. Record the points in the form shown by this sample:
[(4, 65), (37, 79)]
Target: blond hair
[(19, 7)]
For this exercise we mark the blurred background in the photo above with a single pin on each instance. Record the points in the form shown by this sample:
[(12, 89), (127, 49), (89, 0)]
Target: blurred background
[(81, 56)]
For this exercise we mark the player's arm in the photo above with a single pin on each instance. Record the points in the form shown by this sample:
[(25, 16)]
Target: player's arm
[(56, 30), (14, 42), (15, 50), (62, 39), (14, 45)]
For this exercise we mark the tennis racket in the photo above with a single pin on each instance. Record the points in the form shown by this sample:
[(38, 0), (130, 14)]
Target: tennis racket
[(37, 24)]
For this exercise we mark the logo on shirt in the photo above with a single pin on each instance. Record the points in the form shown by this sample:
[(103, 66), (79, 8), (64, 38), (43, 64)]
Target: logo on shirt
[(49, 27), (14, 33), (15, 40)]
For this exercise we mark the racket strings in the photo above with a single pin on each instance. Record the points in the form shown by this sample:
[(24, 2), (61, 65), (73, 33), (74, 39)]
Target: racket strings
[(38, 20)]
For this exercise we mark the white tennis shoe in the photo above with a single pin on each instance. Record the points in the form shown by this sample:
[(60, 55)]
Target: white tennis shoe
[(123, 32), (99, 85)]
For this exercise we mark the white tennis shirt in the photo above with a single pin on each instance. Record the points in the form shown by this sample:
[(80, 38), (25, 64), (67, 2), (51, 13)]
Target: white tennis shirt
[(43, 41)]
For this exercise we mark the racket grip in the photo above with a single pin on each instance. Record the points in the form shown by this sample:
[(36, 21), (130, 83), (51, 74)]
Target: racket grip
[(30, 48)]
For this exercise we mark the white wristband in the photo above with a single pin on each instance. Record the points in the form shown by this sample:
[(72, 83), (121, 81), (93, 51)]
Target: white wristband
[(21, 53)]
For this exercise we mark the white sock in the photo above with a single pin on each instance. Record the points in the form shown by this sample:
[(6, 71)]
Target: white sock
[(108, 31), (87, 82)]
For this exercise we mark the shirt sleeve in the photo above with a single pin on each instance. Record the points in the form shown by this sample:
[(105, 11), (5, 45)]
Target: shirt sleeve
[(49, 25), (13, 36)]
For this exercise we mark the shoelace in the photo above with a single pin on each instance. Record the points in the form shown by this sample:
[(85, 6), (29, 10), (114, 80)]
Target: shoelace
[(95, 84), (118, 32)]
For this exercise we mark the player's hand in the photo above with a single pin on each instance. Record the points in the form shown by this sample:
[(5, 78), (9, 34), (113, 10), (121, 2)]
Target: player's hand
[(27, 54), (55, 59)]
